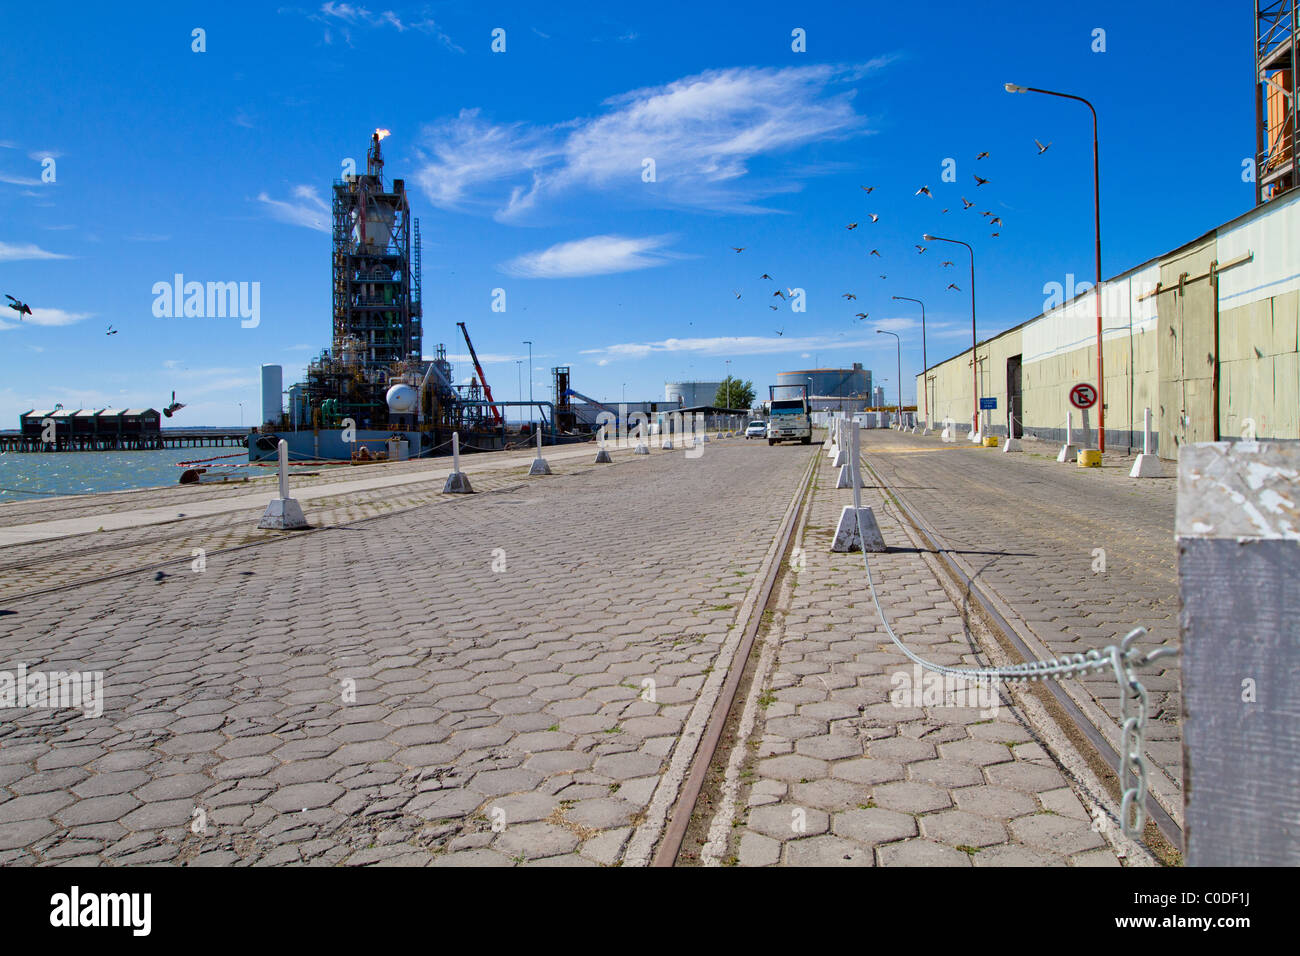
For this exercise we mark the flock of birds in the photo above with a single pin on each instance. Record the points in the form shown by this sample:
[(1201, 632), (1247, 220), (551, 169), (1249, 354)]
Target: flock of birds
[(994, 223), (22, 308)]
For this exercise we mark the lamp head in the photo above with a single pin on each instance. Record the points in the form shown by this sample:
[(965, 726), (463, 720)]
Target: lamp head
[(1012, 88), (928, 238)]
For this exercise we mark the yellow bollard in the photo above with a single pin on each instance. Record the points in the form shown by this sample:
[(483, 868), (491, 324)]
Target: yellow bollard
[(1089, 458), (991, 441)]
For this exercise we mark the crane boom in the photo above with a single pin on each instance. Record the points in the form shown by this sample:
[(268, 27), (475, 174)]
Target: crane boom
[(487, 391)]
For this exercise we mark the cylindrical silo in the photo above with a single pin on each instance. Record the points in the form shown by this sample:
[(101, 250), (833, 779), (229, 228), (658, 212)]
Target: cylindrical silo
[(272, 390)]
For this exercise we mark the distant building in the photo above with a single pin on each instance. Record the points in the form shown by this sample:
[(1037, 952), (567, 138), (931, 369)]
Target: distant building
[(691, 394), (852, 382), (878, 397)]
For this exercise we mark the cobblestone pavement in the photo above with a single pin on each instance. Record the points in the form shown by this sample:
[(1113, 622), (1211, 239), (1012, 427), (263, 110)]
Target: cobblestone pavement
[(81, 557), (828, 768), (1080, 555), (498, 717)]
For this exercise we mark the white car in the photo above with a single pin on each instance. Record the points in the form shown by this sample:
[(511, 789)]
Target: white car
[(756, 430)]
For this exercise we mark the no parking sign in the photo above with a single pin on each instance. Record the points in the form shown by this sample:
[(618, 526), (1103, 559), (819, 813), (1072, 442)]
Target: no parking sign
[(1083, 395)]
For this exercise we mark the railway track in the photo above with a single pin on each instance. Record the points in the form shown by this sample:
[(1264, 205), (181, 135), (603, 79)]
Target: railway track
[(1092, 741)]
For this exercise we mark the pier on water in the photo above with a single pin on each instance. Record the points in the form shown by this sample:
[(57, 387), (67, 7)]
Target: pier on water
[(13, 441)]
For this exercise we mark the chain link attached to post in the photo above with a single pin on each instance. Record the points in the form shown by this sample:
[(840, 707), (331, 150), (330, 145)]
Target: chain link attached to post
[(1124, 658)]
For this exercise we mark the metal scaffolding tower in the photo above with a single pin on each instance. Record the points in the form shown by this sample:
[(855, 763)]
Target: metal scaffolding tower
[(376, 292), (1277, 27)]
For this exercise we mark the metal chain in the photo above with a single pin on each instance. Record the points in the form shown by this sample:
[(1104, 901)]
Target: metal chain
[(1123, 658)]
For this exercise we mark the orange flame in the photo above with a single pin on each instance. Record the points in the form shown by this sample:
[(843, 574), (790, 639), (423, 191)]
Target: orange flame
[(381, 133)]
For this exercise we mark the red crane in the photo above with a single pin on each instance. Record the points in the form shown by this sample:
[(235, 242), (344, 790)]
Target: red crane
[(496, 412)]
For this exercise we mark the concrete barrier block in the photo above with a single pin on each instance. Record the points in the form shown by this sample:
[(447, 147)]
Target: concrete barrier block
[(641, 449), (539, 467), (283, 514), (841, 458), (845, 481), (1013, 444), (457, 484), (602, 457), (1067, 453), (847, 536), (1147, 466)]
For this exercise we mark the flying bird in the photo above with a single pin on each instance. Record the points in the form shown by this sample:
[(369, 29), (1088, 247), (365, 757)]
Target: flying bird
[(780, 331), (862, 315), (874, 217), (876, 252), (22, 308), (980, 181), (982, 156), (848, 295), (884, 277), (1041, 148), (174, 407), (739, 248), (851, 226), (735, 293), (765, 276), (995, 221), (111, 331), (953, 285), (966, 203), (996, 234), (945, 210), (924, 191), (780, 293), (920, 250), (867, 189), (772, 307), (986, 214), (947, 264)]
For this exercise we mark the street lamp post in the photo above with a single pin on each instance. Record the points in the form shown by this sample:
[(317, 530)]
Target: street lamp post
[(519, 380), (974, 342), (530, 379), (899, 343), (1096, 208), (924, 364)]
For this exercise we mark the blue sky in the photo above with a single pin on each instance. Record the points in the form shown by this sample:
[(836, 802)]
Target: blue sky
[(526, 171)]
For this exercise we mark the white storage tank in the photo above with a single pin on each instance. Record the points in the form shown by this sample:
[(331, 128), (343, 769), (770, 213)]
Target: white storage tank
[(272, 393)]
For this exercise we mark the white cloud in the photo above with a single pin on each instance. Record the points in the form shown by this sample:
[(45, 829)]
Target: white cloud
[(308, 210), (702, 131), (45, 317), (13, 180), (596, 255), (13, 252), (737, 345), (343, 15), (40, 154)]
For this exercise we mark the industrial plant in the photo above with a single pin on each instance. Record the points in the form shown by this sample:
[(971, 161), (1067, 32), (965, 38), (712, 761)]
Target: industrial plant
[(373, 389)]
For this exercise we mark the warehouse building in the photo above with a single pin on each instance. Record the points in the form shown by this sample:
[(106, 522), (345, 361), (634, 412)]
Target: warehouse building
[(1205, 336)]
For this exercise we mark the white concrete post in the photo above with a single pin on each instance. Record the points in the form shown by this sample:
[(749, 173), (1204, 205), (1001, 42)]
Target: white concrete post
[(855, 520), (1012, 444), (283, 513), (283, 449), (457, 481), (1069, 451), (602, 453), (539, 466), (1146, 465)]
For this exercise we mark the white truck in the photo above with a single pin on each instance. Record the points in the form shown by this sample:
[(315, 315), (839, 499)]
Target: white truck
[(790, 418)]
